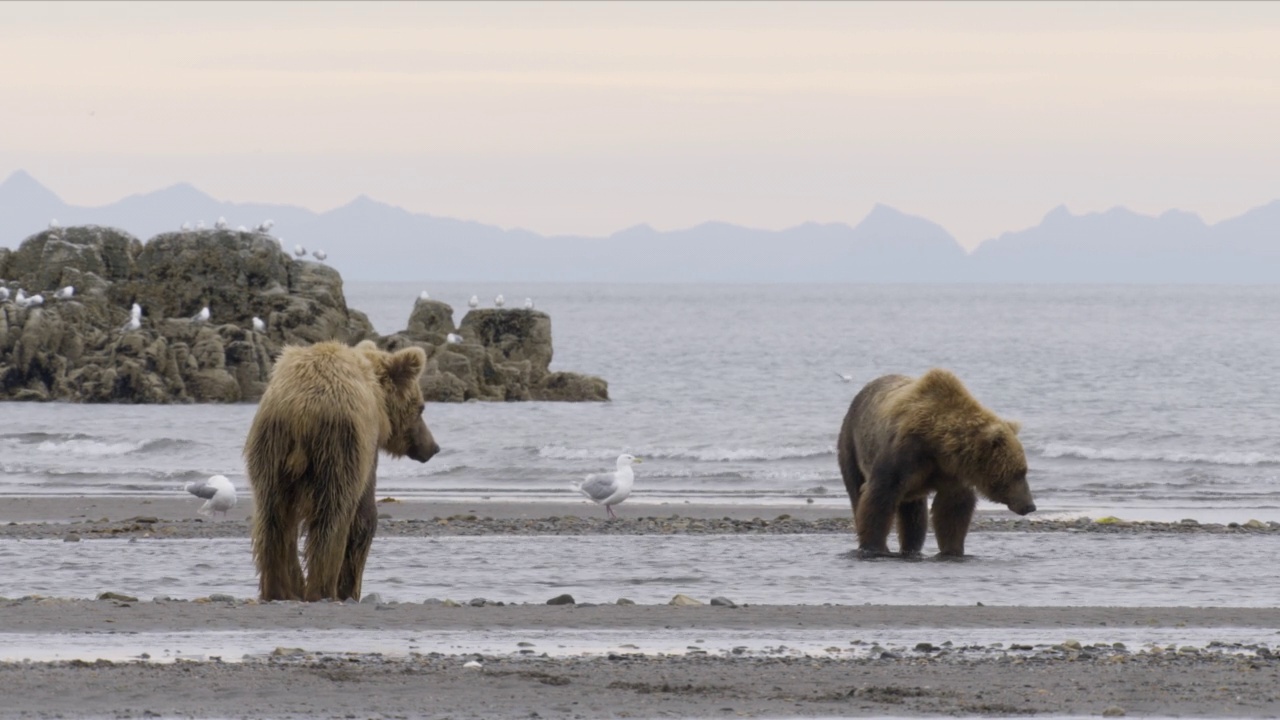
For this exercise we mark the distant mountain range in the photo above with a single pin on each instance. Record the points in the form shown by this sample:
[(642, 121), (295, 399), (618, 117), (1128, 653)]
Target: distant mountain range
[(369, 240)]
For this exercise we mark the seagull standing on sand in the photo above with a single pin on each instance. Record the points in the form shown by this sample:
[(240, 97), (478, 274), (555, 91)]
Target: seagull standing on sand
[(474, 302), (202, 316), (609, 489), (453, 339), (65, 293), (218, 493), (499, 301), (258, 325), (528, 303), (320, 254), (299, 251)]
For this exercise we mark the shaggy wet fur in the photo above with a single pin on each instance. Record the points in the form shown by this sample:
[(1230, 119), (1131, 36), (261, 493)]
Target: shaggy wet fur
[(312, 457), (904, 439)]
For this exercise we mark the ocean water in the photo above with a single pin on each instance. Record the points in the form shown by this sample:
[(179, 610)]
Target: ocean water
[(1145, 402)]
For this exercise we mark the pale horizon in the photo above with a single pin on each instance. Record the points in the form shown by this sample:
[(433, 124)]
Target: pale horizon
[(586, 119)]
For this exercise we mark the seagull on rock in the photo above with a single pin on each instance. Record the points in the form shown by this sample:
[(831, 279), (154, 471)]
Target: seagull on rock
[(474, 302), (4, 294), (202, 316), (218, 493), (258, 325), (424, 295), (65, 293), (265, 226), (453, 338), (186, 227), (609, 489), (499, 301), (320, 254), (299, 251), (135, 319), (221, 224), (528, 303)]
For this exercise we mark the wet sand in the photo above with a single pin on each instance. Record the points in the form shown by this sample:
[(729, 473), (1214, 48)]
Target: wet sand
[(1211, 680)]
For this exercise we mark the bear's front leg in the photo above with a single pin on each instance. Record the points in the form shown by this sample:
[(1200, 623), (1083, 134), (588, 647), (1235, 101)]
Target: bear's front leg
[(360, 540), (952, 510), (876, 508), (913, 526)]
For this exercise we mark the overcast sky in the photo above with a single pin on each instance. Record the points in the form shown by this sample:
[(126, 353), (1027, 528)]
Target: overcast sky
[(588, 118)]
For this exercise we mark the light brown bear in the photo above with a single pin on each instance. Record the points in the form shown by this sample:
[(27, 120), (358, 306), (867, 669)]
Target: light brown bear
[(905, 438), (312, 458)]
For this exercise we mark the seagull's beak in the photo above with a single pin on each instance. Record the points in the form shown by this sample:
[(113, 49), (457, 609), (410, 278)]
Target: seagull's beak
[(637, 461)]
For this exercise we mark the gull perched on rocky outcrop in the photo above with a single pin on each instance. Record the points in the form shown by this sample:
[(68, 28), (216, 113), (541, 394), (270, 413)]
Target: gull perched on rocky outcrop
[(265, 226), (135, 319), (218, 493), (319, 254), (453, 338), (199, 225), (474, 302), (24, 301), (65, 293), (53, 224), (258, 325), (4, 294), (299, 251), (528, 303), (202, 316), (609, 489), (499, 301), (424, 295), (186, 227), (221, 224), (242, 228)]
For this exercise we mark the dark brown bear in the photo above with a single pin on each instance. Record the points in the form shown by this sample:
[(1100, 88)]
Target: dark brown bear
[(905, 438), (312, 457)]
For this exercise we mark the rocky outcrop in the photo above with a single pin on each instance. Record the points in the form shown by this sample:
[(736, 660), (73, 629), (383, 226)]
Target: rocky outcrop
[(81, 348)]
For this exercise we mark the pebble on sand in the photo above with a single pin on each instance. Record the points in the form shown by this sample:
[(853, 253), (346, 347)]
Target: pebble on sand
[(1113, 711), (682, 600), (565, 599), (723, 602), (116, 596)]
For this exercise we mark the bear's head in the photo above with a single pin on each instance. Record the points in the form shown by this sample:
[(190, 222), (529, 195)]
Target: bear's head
[(1004, 472), (398, 374)]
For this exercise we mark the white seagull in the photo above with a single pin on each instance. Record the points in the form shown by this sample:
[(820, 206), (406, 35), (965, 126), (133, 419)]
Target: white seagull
[(843, 377), (4, 294), (53, 224), (218, 493), (424, 295), (474, 302), (499, 301), (258, 325), (36, 299), (242, 228), (320, 254), (528, 303), (453, 339), (65, 293), (265, 225), (609, 489), (199, 225), (20, 299), (299, 251), (202, 316), (221, 224), (186, 227), (135, 319)]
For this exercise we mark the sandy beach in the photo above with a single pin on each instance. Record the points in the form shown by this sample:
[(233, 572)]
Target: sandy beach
[(530, 667)]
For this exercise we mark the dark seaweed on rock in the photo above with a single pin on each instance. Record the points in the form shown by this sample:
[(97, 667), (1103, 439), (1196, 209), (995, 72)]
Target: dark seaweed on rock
[(80, 349)]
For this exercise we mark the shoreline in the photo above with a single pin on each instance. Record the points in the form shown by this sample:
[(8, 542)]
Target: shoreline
[(853, 676), (96, 517)]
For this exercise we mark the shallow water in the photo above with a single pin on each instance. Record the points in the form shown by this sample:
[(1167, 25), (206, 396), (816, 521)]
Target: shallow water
[(1028, 569), (1141, 402)]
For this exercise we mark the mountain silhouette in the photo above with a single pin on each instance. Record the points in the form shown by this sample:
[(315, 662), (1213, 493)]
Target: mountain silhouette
[(371, 240)]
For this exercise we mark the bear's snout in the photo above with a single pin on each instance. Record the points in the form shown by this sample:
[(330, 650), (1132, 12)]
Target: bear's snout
[(1024, 508), (423, 453)]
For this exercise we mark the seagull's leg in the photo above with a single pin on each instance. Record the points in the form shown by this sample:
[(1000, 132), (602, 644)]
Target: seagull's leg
[(612, 514)]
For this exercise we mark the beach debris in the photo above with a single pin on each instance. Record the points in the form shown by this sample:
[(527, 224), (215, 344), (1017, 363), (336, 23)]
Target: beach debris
[(682, 600), (609, 489), (221, 597), (371, 599), (71, 537), (288, 652), (562, 599), (723, 602), (120, 597), (218, 493), (478, 602), (1113, 711), (625, 601)]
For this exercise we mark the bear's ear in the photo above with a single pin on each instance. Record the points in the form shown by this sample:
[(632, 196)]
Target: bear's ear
[(1014, 425), (366, 345), (405, 366), (994, 435)]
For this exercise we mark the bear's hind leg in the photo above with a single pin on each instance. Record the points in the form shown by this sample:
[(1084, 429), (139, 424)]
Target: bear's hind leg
[(913, 525), (952, 511), (360, 539), (275, 547), (874, 519)]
